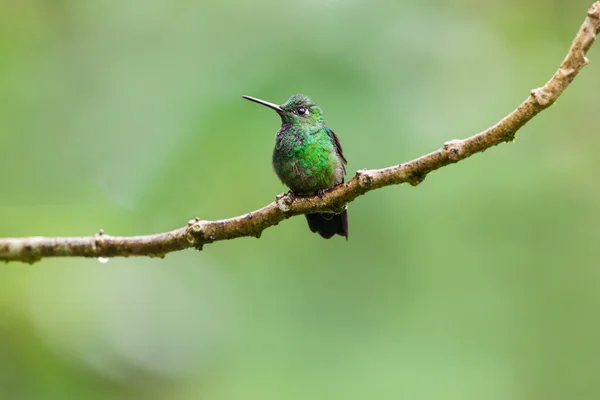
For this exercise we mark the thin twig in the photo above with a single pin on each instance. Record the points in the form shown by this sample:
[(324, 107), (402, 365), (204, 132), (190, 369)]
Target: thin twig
[(198, 233)]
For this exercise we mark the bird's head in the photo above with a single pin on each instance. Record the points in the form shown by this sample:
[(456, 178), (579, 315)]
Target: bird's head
[(297, 110)]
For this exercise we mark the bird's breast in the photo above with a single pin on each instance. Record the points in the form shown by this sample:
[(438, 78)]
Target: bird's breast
[(306, 163)]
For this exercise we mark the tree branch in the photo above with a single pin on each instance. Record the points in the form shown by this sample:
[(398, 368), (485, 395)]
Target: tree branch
[(198, 233)]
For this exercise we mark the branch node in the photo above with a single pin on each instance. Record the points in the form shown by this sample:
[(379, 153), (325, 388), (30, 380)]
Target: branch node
[(594, 11), (510, 136), (194, 233), (284, 202), (416, 176), (99, 239), (542, 97), (197, 227), (453, 149), (416, 179), (364, 178), (570, 72), (190, 238), (31, 253)]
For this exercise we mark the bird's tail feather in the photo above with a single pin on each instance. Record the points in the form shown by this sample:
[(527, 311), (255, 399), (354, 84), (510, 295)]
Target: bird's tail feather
[(327, 225)]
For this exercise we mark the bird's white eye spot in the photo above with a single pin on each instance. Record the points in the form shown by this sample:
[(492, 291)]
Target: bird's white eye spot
[(303, 111)]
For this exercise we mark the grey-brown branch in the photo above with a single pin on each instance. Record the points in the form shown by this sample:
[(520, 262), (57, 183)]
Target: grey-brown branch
[(198, 232)]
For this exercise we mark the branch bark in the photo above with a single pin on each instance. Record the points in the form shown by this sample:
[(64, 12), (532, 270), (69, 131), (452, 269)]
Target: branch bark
[(198, 232)]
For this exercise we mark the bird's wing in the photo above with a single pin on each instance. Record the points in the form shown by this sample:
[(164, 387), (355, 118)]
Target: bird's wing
[(337, 144)]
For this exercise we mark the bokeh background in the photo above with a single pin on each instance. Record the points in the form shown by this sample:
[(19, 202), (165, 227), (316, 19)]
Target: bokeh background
[(481, 283)]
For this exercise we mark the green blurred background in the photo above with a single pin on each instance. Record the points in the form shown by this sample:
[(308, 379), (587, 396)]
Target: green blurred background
[(482, 283)]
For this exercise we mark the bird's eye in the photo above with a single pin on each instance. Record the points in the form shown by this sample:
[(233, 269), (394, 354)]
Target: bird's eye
[(302, 111)]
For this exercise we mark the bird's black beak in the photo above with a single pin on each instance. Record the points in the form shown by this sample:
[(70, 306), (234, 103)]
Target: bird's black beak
[(265, 103)]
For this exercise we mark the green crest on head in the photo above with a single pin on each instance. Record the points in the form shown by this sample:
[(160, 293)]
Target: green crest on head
[(300, 109)]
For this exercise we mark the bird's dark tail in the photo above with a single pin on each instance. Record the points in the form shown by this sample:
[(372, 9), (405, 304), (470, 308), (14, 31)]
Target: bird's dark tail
[(327, 225)]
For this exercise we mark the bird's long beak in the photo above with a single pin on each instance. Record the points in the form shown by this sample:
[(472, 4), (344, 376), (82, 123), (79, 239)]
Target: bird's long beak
[(265, 103)]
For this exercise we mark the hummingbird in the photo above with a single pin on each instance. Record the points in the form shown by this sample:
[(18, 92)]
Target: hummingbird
[(308, 158)]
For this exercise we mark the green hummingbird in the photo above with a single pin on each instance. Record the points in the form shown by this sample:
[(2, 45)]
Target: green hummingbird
[(308, 158)]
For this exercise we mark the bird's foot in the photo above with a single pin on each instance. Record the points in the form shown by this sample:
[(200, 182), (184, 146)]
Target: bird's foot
[(292, 195), (321, 192)]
